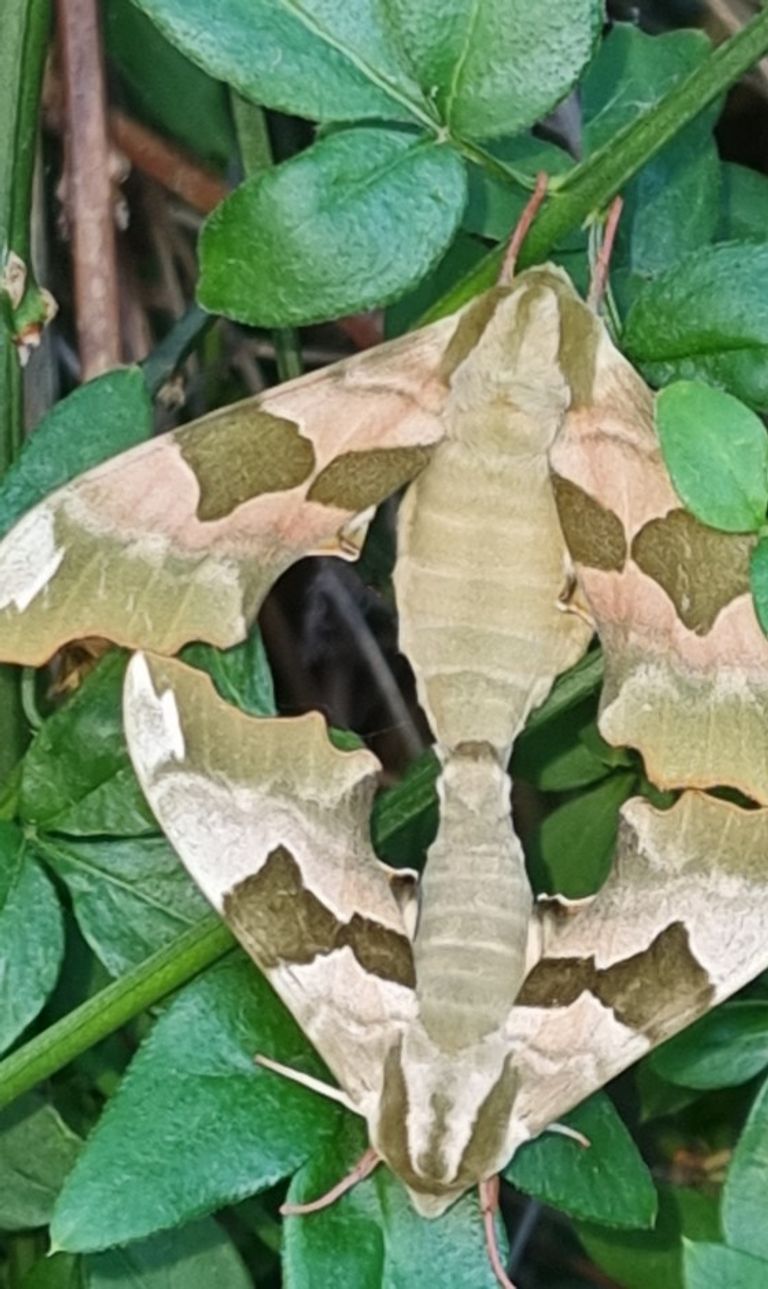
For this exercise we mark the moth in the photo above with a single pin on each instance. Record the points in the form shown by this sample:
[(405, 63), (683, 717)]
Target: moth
[(459, 1018)]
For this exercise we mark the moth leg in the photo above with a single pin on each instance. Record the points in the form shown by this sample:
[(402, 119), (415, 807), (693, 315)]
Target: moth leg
[(307, 1081), (563, 1130), (489, 1205), (362, 1169), (571, 599)]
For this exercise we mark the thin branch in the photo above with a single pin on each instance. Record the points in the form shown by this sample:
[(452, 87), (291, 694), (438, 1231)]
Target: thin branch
[(167, 164), (88, 186)]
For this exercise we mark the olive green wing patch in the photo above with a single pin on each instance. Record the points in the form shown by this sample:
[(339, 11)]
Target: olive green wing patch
[(181, 538)]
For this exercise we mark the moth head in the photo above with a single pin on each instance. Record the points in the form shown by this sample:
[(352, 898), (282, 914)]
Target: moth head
[(445, 1122)]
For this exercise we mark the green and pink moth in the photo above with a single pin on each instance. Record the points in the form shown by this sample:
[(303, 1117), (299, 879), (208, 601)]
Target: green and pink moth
[(459, 1018)]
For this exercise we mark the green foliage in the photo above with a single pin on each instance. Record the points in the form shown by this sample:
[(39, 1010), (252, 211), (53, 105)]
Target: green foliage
[(423, 161), (605, 1182), (716, 452)]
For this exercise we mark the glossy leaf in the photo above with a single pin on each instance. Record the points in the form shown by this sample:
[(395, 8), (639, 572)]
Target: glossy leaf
[(324, 59), (373, 1236), (716, 452), (571, 851), (196, 1256), (37, 1150), (705, 319), (195, 1124), (743, 204), (744, 1191), (77, 776), (241, 674), (496, 66), (165, 88), (758, 580), (95, 422), (31, 935), (640, 1259), (726, 1047), (671, 206), (60, 1271), (555, 756), (708, 1265), (607, 1183), (272, 253), (131, 895)]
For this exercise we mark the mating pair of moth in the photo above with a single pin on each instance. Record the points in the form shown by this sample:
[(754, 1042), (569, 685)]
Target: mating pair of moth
[(459, 1018)]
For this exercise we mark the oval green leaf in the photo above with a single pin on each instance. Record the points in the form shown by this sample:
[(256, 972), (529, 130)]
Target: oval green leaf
[(708, 1265), (198, 1256), (31, 935), (758, 580), (496, 66), (727, 1047), (705, 319), (373, 1236), (328, 61), (351, 223), (743, 1202), (716, 452), (195, 1123), (37, 1150), (606, 1183)]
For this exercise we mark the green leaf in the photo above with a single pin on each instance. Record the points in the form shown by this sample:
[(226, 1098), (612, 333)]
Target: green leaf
[(62, 1271), (654, 1259), (163, 87), (571, 851), (241, 674), (716, 452), (671, 206), (31, 935), (463, 253), (554, 757), (37, 1150), (303, 242), (709, 1265), (195, 1124), (494, 206), (131, 895), (372, 1236), (758, 580), (323, 59), (496, 66), (726, 1047), (705, 319), (743, 204), (606, 1183), (107, 415), (77, 776), (743, 1203), (197, 1256)]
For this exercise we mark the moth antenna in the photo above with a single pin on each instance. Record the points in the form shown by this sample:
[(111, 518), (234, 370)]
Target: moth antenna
[(307, 1081), (563, 1130), (530, 212), (362, 1169), (489, 1203), (600, 273)]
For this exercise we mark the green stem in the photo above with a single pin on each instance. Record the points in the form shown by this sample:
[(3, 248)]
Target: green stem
[(25, 27), (590, 186), (114, 1006), (256, 155)]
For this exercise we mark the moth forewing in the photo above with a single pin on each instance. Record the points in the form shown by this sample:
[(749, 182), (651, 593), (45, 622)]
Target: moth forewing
[(180, 538)]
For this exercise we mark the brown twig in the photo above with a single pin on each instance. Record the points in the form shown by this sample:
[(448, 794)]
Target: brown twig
[(88, 186), (161, 160)]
